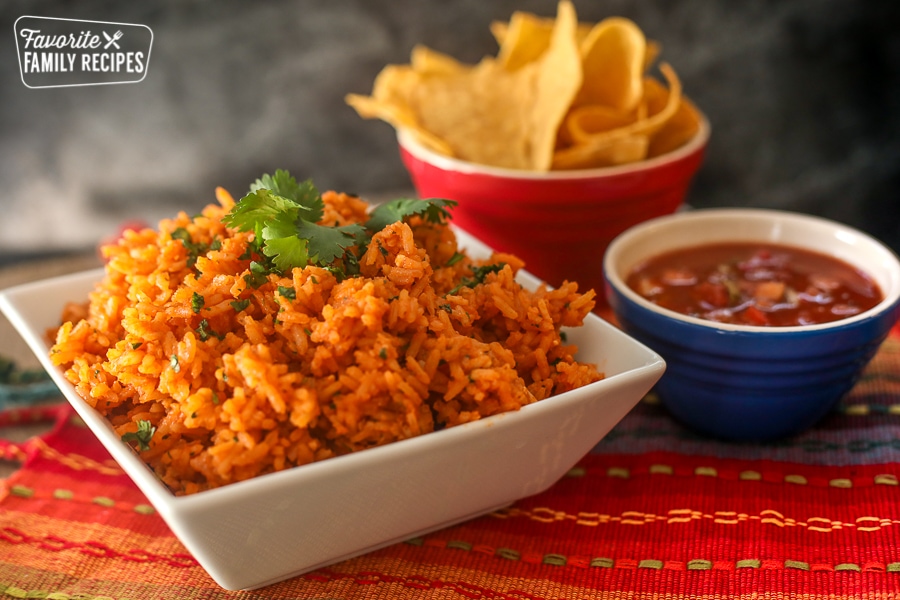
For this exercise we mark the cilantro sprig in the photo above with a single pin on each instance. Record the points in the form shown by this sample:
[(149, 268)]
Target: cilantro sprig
[(284, 216), (434, 210), (283, 213)]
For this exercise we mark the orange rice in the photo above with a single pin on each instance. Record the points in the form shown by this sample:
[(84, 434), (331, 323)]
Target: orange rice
[(254, 382)]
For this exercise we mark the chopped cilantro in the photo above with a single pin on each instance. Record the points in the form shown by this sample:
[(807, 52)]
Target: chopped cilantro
[(142, 436), (352, 263), (183, 235), (239, 305), (136, 345), (383, 353), (204, 332), (197, 302), (173, 362), (257, 276), (483, 271), (457, 256), (194, 250), (287, 291), (479, 274)]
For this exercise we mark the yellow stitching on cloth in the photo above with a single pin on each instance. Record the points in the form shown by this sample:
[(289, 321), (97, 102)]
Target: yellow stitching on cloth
[(746, 475), (686, 515), (798, 479), (727, 518), (656, 564), (22, 491), (76, 461), (17, 592)]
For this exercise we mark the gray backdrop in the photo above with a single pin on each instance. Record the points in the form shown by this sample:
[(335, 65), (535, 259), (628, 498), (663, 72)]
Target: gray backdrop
[(803, 97)]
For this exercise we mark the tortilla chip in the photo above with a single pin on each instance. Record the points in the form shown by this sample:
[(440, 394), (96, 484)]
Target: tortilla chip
[(613, 59), (526, 37), (558, 80), (479, 112), (598, 143), (559, 95), (427, 61), (614, 152)]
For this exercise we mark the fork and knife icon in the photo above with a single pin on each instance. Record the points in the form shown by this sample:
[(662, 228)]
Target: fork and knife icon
[(111, 40)]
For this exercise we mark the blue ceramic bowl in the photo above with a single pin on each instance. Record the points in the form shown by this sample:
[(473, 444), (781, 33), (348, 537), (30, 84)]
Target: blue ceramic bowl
[(744, 382)]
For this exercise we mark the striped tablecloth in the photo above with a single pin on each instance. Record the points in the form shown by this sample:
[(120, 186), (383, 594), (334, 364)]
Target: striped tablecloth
[(652, 511)]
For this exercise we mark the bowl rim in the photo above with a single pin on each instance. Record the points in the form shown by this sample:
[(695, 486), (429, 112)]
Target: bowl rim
[(614, 280), (407, 141)]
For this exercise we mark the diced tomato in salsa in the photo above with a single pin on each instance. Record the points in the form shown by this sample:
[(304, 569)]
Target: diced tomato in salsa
[(713, 294), (755, 284)]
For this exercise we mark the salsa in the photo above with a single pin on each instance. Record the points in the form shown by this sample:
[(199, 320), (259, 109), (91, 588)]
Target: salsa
[(755, 284)]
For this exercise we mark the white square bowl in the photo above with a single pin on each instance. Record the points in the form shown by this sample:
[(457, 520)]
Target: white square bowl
[(261, 531)]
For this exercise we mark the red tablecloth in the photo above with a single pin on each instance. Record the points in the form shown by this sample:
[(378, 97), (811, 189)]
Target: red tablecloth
[(653, 510)]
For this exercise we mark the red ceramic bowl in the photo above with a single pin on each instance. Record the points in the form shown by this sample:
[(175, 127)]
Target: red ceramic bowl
[(559, 222)]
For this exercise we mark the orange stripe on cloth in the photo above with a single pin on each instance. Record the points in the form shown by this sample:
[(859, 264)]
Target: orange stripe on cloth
[(38, 540), (369, 584)]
